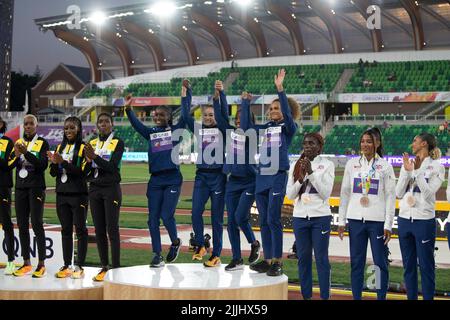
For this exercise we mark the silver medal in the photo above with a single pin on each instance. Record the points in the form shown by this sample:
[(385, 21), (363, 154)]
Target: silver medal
[(64, 178), (23, 173), (96, 173)]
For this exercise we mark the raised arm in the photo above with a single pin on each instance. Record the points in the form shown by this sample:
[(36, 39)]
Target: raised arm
[(135, 122), (186, 101), (222, 122), (291, 126)]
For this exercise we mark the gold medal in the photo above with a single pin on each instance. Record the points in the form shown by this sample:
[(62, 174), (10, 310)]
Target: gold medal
[(364, 201)]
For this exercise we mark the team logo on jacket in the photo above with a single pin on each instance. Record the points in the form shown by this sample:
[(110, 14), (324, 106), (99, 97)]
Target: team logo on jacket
[(320, 167), (378, 167)]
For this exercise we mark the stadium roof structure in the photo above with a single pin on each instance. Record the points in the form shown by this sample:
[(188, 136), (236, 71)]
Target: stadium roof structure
[(135, 39)]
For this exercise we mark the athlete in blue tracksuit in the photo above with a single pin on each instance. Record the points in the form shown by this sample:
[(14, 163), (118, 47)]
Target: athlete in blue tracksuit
[(164, 187), (416, 188), (240, 188), (209, 180), (271, 178)]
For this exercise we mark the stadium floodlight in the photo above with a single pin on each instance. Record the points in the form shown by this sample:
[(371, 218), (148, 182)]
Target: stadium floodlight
[(162, 9), (98, 17), (243, 3)]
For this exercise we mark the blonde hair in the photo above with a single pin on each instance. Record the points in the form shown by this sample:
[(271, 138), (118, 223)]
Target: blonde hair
[(436, 153), (32, 116)]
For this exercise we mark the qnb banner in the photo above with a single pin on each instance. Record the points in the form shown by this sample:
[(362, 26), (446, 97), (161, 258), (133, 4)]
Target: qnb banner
[(394, 97), (53, 248)]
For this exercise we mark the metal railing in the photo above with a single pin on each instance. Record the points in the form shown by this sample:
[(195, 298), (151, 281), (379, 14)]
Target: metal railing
[(54, 118), (411, 118)]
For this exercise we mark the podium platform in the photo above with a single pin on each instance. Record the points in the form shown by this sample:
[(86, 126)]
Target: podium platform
[(51, 288), (192, 281)]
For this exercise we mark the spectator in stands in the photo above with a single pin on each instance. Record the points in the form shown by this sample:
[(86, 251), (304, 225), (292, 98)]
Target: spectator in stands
[(367, 83), (385, 125), (366, 64), (392, 77), (418, 183), (164, 187), (318, 84), (301, 75), (368, 203), (446, 126), (441, 129), (375, 63), (310, 182), (270, 183)]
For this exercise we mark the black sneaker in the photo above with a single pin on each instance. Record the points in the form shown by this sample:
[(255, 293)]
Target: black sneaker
[(275, 270), (157, 261), (260, 267), (254, 253), (174, 251), (235, 265)]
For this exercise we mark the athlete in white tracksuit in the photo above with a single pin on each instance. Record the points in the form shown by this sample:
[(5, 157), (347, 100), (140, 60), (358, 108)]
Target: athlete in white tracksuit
[(310, 183), (416, 188), (368, 203)]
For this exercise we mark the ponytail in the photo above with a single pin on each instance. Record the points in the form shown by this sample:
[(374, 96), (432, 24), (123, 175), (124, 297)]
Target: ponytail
[(433, 150), (436, 153)]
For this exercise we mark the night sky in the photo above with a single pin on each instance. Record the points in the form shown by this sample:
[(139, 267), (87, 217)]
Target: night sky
[(32, 47)]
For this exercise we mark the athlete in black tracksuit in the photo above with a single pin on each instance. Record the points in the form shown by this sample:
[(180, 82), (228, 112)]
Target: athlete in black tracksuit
[(68, 164), (32, 161), (105, 195), (7, 158)]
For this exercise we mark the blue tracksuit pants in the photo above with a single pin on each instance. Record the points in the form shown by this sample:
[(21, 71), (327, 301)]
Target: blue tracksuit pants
[(269, 203), (417, 240), (239, 197), (163, 192), (313, 234), (209, 185), (360, 233)]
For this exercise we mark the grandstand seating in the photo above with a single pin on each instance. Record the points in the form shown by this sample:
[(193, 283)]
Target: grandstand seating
[(296, 145), (409, 76), (133, 140), (417, 76), (396, 139), (258, 80)]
